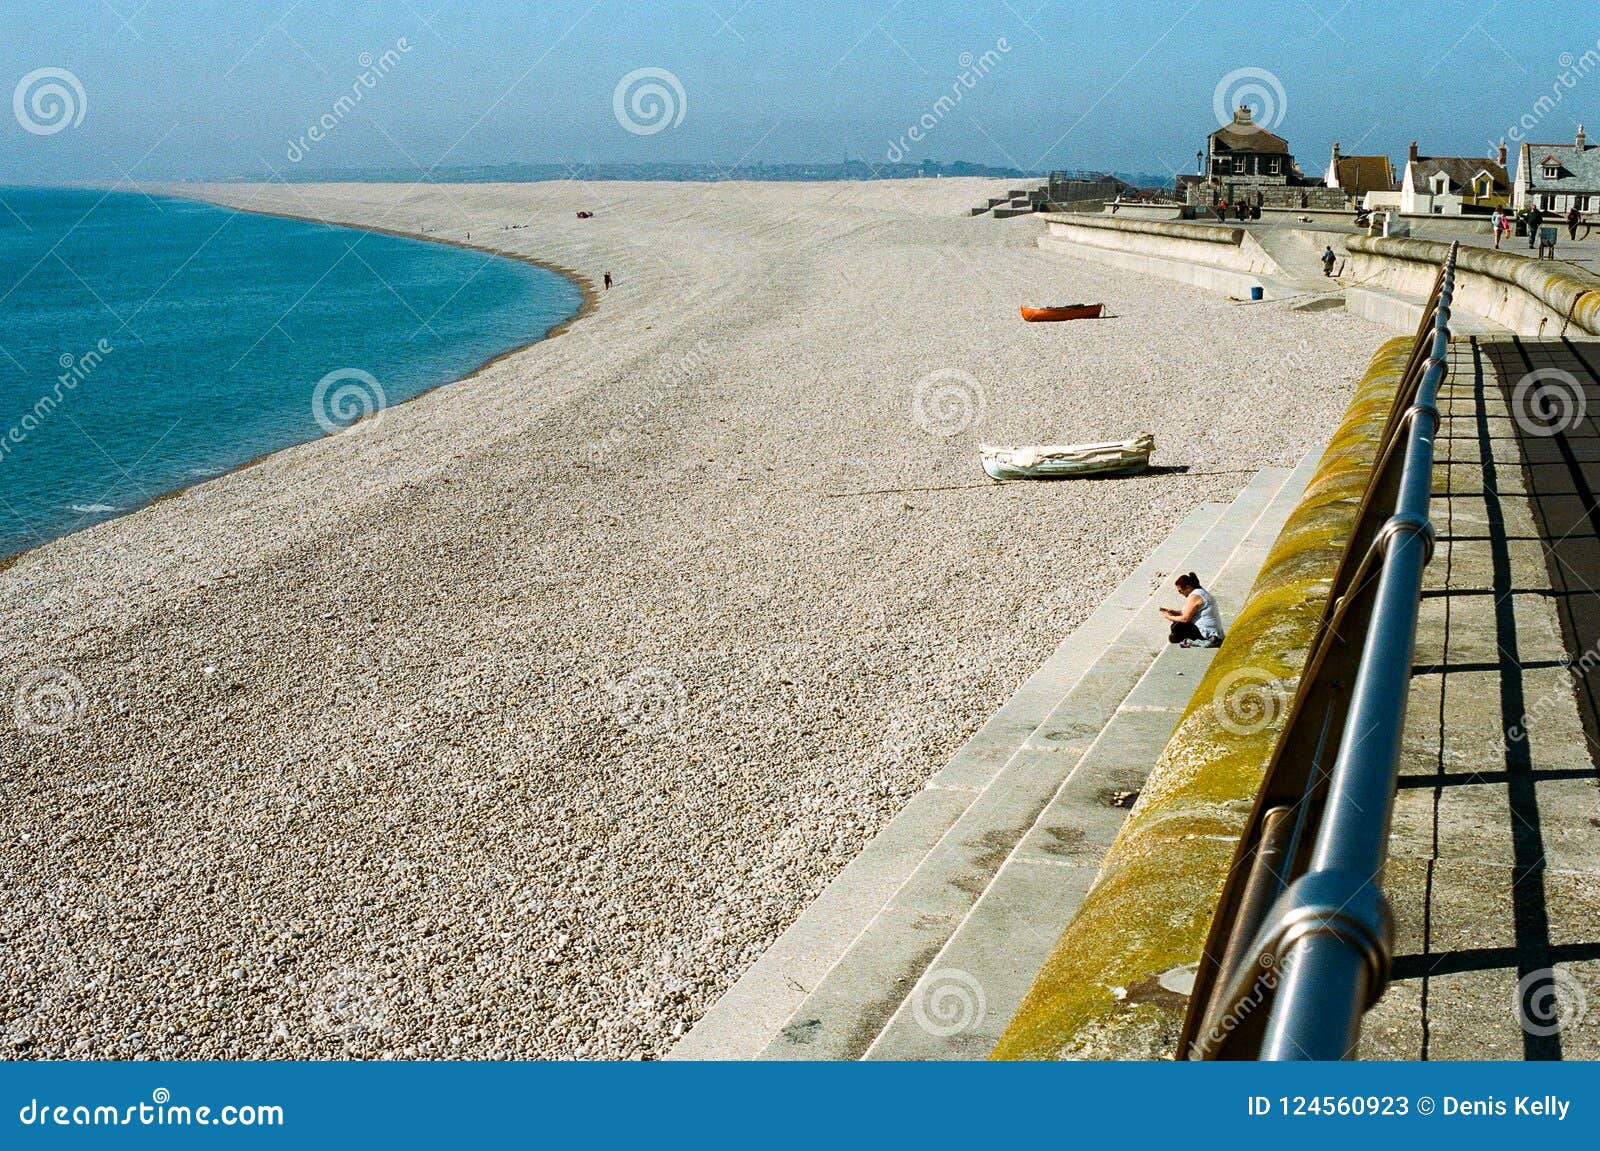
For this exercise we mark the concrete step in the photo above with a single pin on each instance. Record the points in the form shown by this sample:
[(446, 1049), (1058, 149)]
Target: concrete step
[(741, 1023), (969, 991), (869, 984)]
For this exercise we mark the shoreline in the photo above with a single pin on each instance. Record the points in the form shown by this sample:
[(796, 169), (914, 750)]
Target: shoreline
[(589, 302)]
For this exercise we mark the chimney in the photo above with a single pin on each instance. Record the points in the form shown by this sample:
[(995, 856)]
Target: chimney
[(1244, 115), (1412, 156), (1502, 153), (1582, 139)]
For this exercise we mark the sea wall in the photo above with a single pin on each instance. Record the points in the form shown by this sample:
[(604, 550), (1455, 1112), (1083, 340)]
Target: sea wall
[(1116, 984), (1222, 259), (1526, 296)]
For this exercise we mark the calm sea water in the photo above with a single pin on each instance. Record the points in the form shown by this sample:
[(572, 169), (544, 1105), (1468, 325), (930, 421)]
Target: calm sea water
[(146, 344)]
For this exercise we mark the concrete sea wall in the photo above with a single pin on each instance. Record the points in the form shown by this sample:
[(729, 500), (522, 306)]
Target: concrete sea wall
[(1529, 297), (1222, 259)]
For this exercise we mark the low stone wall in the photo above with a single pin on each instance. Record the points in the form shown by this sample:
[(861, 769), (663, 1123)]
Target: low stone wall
[(1527, 296), (1116, 984)]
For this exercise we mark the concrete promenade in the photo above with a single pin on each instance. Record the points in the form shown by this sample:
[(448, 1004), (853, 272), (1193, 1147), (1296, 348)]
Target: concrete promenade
[(1495, 849)]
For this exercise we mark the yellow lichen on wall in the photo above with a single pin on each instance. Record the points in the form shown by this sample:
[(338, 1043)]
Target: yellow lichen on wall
[(1101, 993)]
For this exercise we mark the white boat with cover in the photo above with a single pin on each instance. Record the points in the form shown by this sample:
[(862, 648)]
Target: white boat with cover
[(1065, 461)]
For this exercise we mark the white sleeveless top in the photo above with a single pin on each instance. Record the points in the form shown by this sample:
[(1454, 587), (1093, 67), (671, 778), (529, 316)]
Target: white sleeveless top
[(1208, 621)]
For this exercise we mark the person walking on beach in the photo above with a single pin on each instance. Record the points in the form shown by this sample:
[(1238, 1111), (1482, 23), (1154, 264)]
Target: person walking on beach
[(1328, 259), (1197, 622), (608, 281)]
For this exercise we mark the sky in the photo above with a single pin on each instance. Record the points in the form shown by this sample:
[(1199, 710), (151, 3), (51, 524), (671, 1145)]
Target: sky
[(107, 90)]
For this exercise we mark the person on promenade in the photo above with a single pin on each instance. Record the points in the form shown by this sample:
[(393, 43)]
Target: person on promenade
[(1222, 211), (1574, 218), (1535, 222), (1197, 622), (1496, 223), (1328, 259)]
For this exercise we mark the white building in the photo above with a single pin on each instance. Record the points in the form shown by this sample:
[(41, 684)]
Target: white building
[(1558, 177), (1453, 185)]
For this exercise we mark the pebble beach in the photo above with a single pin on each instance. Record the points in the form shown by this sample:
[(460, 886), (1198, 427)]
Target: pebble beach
[(516, 720)]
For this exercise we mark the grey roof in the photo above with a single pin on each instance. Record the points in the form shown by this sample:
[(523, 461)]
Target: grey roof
[(1580, 167), (1460, 170)]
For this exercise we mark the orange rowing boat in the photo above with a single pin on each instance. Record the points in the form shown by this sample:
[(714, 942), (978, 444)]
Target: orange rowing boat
[(1062, 312)]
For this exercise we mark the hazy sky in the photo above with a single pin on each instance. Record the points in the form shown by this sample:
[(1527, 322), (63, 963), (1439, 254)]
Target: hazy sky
[(233, 87)]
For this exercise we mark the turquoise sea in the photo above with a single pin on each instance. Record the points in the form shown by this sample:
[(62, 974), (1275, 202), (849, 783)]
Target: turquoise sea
[(149, 343)]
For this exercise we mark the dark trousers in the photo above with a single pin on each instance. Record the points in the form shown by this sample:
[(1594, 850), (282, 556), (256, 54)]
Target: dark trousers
[(1180, 631)]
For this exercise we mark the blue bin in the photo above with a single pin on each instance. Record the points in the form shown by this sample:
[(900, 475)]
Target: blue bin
[(1257, 293)]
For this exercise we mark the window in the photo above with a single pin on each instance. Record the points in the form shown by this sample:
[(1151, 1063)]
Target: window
[(1275, 166), (1581, 203), (1552, 171), (1547, 202)]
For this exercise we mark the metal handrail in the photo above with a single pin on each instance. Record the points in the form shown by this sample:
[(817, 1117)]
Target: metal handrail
[(1306, 958)]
